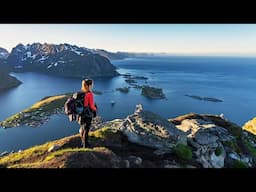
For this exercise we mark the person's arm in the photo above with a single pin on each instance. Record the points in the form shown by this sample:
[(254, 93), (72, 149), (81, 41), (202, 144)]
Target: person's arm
[(91, 101)]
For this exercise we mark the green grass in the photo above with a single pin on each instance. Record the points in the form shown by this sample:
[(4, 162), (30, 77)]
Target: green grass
[(233, 145), (105, 133), (235, 131), (35, 151), (183, 151), (240, 164), (25, 165), (67, 150), (38, 156), (48, 104), (250, 148), (218, 151)]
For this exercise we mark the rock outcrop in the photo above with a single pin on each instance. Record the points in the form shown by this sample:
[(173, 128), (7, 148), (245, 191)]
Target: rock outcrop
[(216, 141), (149, 129), (145, 139)]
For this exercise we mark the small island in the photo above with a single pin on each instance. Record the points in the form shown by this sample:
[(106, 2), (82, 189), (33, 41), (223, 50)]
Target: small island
[(124, 89), (212, 99), (130, 81), (97, 92), (140, 77), (129, 76), (152, 92), (39, 113)]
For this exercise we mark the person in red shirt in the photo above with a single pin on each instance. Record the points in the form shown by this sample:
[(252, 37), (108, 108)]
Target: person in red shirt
[(87, 85)]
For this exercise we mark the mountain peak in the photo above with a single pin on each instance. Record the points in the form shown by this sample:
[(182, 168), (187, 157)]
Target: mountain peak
[(60, 59)]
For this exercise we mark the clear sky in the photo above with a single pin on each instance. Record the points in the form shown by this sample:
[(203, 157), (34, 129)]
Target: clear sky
[(200, 39)]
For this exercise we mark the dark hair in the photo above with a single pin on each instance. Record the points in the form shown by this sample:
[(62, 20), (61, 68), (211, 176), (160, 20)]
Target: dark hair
[(88, 81)]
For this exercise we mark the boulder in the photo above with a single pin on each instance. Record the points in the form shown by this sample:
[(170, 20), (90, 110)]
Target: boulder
[(54, 147), (149, 129)]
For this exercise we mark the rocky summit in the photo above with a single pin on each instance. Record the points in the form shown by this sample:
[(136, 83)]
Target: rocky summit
[(145, 139)]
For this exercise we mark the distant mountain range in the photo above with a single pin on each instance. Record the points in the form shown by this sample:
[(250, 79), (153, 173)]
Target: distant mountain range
[(62, 60)]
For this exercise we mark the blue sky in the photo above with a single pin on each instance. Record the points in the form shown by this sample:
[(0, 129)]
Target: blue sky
[(198, 39)]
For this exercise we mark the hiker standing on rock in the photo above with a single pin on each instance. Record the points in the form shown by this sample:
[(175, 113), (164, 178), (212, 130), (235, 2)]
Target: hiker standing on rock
[(86, 117)]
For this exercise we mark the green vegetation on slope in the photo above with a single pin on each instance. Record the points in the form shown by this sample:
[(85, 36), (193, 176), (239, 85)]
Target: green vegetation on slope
[(67, 150), (34, 114), (38, 155), (183, 152), (26, 155), (239, 164)]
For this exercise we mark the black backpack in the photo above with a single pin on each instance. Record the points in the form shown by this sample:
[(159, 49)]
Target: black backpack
[(75, 104), (79, 102)]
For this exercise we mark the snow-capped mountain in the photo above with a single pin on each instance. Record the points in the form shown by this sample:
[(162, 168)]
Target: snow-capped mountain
[(63, 59)]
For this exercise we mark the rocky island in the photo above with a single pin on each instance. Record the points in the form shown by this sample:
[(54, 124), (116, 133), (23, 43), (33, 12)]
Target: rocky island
[(123, 89), (212, 99), (152, 92)]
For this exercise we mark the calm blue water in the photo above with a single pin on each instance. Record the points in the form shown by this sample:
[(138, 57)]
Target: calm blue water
[(230, 79)]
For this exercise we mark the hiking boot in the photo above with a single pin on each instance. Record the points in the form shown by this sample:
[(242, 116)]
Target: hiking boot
[(87, 145)]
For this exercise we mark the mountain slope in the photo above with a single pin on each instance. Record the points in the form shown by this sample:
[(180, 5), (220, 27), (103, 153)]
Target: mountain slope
[(63, 60), (7, 81)]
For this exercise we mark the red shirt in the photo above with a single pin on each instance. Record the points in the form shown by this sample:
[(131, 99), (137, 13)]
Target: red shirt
[(89, 100)]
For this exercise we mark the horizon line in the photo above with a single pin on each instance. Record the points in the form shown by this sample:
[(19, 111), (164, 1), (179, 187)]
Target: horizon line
[(160, 53)]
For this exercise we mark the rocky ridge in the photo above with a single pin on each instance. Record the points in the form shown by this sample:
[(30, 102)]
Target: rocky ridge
[(62, 60), (145, 139)]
